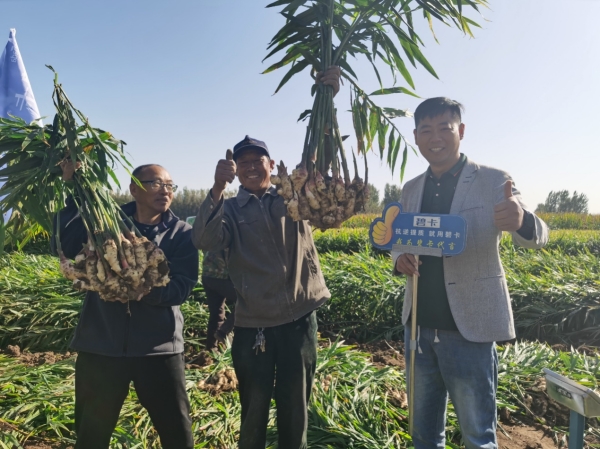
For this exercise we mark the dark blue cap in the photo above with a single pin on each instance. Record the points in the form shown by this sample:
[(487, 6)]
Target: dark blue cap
[(250, 144)]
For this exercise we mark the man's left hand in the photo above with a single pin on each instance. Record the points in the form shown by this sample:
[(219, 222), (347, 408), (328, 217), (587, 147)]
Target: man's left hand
[(331, 77), (508, 214)]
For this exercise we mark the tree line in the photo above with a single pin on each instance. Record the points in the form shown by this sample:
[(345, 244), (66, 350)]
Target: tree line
[(186, 201), (561, 202)]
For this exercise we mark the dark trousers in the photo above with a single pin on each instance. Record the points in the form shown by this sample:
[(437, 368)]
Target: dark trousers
[(218, 293), (287, 367), (102, 384)]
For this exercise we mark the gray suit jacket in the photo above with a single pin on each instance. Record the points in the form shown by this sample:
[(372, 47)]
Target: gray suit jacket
[(475, 281)]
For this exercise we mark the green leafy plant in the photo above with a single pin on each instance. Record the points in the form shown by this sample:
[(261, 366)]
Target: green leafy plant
[(322, 33), (571, 220), (37, 402), (33, 187), (114, 259)]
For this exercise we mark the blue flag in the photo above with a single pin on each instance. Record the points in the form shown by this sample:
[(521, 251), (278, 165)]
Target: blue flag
[(16, 95)]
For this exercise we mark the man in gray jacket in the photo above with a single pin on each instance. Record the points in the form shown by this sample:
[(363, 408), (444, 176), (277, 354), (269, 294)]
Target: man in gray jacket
[(464, 305), (275, 269)]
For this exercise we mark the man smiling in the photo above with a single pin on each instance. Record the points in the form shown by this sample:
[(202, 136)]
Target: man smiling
[(141, 341), (275, 269), (463, 301)]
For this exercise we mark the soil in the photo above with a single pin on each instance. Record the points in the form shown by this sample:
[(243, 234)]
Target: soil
[(525, 437), (199, 360), (385, 353), (36, 358)]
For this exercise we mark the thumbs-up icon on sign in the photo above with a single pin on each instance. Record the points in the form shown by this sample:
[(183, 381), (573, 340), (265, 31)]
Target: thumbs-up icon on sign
[(382, 228)]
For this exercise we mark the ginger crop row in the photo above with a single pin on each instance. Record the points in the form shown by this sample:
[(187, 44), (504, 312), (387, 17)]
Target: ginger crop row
[(123, 271)]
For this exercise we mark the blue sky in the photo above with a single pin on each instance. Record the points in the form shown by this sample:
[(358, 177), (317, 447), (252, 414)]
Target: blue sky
[(180, 82)]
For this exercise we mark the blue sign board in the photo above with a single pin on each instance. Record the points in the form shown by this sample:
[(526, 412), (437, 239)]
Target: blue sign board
[(447, 233)]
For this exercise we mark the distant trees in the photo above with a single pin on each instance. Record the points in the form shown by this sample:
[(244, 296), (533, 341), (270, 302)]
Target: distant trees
[(121, 197), (373, 206), (391, 193), (562, 201), (185, 202)]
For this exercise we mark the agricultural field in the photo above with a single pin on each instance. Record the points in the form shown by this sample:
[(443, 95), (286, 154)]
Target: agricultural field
[(359, 396)]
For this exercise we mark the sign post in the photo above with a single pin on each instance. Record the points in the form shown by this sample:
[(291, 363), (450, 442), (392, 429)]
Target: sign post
[(583, 402), (420, 235)]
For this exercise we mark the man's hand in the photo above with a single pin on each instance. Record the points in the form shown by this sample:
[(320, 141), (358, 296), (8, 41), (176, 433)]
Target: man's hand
[(508, 214), (224, 174), (68, 168), (407, 264), (331, 77)]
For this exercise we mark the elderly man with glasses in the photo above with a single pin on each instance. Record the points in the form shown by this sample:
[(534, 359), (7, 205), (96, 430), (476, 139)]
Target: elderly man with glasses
[(141, 341)]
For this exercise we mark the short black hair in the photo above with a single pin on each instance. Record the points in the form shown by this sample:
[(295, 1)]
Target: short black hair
[(138, 170), (433, 107)]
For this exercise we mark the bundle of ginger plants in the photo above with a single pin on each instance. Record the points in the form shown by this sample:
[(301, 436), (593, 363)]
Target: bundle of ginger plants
[(319, 34), (117, 262)]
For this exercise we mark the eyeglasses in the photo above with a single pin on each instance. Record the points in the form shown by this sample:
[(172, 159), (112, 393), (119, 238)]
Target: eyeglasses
[(247, 164), (156, 185)]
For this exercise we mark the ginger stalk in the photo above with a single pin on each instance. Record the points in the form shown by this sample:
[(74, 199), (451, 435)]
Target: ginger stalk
[(286, 184), (141, 255), (340, 189), (303, 207), (128, 250), (79, 258), (299, 177), (339, 216), (82, 284), (156, 257), (310, 190), (111, 255), (320, 183), (328, 220), (69, 270), (350, 201), (292, 208), (100, 271)]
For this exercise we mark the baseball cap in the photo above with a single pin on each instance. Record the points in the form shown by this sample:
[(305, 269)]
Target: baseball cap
[(249, 143)]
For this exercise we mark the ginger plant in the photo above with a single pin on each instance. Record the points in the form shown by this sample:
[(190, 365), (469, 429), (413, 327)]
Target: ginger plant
[(321, 33)]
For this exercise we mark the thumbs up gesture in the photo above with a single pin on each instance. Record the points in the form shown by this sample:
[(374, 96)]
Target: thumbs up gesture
[(508, 214), (224, 174), (382, 230)]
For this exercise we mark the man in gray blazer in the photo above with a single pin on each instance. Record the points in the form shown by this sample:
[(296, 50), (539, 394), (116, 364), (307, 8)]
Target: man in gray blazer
[(464, 305)]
